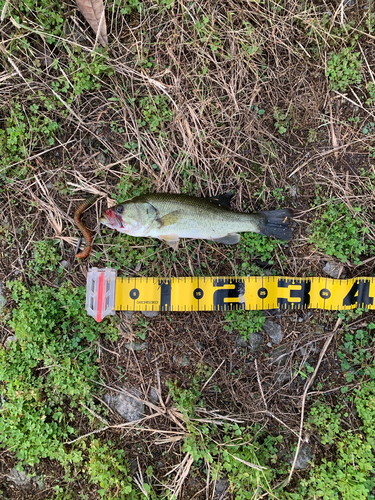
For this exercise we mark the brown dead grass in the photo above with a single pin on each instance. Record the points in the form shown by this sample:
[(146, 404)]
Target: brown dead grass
[(243, 57)]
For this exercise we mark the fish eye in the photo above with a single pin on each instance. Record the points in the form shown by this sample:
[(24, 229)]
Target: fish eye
[(120, 209)]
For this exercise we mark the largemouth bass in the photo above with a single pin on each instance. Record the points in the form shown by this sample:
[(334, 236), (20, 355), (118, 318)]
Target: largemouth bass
[(170, 217)]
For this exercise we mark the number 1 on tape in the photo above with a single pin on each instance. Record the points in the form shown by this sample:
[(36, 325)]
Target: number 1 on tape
[(107, 293)]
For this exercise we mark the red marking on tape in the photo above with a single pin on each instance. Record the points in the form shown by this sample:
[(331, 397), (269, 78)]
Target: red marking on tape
[(99, 305)]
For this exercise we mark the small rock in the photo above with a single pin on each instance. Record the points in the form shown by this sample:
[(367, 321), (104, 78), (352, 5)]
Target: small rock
[(185, 361), (241, 342), (64, 264), (333, 269), (133, 467), (310, 349), (39, 481), (181, 360), (49, 185), (154, 396), (293, 191), (255, 341), (273, 330), (20, 478), (276, 313), (129, 408), (199, 345), (150, 314), (101, 158), (9, 340), (304, 459), (136, 346), (280, 352), (98, 129), (220, 486), (267, 272), (282, 377)]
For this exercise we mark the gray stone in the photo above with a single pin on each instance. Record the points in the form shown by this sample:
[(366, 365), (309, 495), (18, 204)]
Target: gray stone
[(220, 486), (39, 481), (181, 360), (309, 349), (185, 361), (332, 269), (154, 396), (65, 264), (273, 330), (282, 377), (199, 345), (9, 340), (136, 346), (129, 408), (20, 478), (150, 314), (255, 341), (241, 342), (49, 185), (3, 300), (276, 313), (133, 467), (279, 355), (304, 458), (293, 191), (101, 158)]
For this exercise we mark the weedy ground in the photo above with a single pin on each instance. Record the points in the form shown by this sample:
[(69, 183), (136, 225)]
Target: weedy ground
[(273, 101)]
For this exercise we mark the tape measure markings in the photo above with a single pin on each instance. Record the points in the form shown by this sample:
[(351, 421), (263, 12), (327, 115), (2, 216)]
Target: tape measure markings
[(106, 293), (231, 293)]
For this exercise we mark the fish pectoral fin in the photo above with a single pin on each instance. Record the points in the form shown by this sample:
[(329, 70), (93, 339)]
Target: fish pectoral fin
[(229, 239), (171, 240), (169, 219)]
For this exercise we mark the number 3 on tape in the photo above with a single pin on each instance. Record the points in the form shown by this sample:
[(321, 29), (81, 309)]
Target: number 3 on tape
[(107, 293)]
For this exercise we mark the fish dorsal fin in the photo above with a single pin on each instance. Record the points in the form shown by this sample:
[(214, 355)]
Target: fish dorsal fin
[(171, 218), (170, 239), (229, 239), (223, 200)]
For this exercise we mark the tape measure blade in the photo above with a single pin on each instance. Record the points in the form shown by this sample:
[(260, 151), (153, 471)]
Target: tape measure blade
[(251, 293)]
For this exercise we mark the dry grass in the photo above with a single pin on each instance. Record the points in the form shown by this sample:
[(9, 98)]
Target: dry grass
[(221, 73)]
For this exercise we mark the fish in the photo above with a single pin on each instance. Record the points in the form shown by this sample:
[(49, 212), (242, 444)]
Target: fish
[(170, 217)]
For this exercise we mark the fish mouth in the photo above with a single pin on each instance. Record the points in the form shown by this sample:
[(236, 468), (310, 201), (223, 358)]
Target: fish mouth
[(111, 219), (104, 220)]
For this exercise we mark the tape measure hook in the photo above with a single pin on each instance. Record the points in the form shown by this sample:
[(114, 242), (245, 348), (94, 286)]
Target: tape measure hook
[(100, 292)]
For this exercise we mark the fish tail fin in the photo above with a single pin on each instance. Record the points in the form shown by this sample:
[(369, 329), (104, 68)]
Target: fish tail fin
[(277, 223)]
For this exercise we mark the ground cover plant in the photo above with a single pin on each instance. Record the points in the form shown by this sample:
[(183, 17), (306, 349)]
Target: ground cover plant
[(271, 101)]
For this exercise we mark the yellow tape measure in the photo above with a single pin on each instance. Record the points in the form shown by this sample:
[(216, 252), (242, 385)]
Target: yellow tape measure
[(106, 293)]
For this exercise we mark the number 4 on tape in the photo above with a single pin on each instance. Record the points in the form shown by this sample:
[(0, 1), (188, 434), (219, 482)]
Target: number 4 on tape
[(107, 293)]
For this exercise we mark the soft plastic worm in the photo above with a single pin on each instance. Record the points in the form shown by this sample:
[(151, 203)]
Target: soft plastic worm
[(86, 233)]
